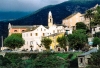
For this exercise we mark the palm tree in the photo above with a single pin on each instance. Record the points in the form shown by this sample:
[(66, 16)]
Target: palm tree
[(89, 15)]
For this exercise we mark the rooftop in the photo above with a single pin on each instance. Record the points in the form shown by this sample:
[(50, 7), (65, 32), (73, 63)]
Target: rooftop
[(71, 15), (89, 52)]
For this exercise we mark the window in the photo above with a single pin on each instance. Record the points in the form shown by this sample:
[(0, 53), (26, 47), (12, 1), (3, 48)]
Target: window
[(36, 34), (15, 30), (99, 28), (88, 60), (57, 31), (65, 49), (53, 31), (43, 34), (41, 29), (27, 42), (23, 35), (81, 60), (50, 20), (27, 34), (44, 29), (58, 49), (31, 42), (23, 30), (93, 29), (30, 34)]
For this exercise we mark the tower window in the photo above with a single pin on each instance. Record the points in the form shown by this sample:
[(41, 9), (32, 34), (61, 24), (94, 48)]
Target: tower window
[(50, 20)]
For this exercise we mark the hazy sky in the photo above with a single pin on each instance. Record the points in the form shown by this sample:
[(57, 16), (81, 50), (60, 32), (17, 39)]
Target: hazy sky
[(26, 5)]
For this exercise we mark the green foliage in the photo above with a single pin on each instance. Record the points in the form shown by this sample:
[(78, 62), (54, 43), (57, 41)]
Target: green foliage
[(81, 25), (13, 41), (94, 61), (63, 41), (89, 14), (97, 16), (46, 42), (49, 61), (97, 34), (41, 60), (4, 61), (96, 41), (78, 39)]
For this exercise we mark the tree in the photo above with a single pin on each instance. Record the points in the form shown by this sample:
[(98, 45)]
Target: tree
[(63, 41), (81, 25), (13, 41), (96, 41), (49, 60), (89, 14), (97, 16), (97, 34), (46, 42), (78, 39)]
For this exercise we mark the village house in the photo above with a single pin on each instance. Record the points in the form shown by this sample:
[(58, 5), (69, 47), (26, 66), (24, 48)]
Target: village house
[(83, 59), (71, 20), (95, 29), (55, 45), (17, 29), (33, 37)]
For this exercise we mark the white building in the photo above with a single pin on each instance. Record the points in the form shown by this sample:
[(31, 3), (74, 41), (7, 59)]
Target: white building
[(33, 37), (95, 29)]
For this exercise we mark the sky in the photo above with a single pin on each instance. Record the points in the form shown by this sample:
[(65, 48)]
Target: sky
[(26, 5)]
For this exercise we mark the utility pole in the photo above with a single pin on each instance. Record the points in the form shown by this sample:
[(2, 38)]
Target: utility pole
[(2, 41)]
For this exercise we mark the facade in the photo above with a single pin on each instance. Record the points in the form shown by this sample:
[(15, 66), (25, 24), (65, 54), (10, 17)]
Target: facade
[(33, 38), (71, 20), (83, 59), (54, 37), (95, 29), (16, 29)]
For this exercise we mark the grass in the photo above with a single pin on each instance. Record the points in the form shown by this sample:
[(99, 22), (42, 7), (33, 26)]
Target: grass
[(65, 55)]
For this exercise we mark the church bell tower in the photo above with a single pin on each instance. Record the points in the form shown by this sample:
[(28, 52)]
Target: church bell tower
[(50, 19)]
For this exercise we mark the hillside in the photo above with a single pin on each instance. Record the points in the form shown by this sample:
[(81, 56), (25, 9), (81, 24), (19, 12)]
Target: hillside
[(12, 15), (59, 11)]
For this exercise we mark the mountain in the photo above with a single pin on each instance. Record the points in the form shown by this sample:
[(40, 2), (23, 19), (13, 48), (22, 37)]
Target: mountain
[(12, 15), (59, 12)]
